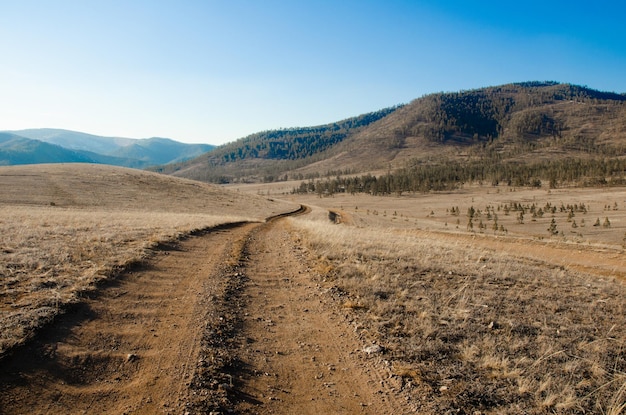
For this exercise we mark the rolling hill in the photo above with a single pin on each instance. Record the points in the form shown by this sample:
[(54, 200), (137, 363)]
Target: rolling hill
[(526, 122), (48, 145)]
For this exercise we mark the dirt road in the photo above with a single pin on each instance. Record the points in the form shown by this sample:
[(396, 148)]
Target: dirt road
[(231, 320), (299, 354)]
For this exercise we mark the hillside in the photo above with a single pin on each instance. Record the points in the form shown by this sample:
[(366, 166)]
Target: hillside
[(90, 186), (47, 145), (514, 123), (65, 227), (268, 155)]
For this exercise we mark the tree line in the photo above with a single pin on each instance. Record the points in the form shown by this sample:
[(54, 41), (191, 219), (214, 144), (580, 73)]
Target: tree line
[(451, 175)]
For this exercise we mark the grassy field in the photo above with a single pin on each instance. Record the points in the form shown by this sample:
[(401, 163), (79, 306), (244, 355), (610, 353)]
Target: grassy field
[(467, 329), (522, 318), (502, 204), (64, 228)]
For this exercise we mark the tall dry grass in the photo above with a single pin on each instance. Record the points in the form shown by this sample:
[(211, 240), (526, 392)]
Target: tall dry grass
[(50, 256), (471, 330)]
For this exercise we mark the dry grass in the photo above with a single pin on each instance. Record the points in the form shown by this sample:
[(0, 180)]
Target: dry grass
[(472, 329), (432, 211), (64, 228)]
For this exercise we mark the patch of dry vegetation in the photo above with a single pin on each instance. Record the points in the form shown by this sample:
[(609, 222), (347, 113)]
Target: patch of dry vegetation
[(470, 330), (496, 205), (50, 257), (64, 228)]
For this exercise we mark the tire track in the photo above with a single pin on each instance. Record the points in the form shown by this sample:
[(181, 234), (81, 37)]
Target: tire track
[(296, 353), (230, 319), (133, 347)]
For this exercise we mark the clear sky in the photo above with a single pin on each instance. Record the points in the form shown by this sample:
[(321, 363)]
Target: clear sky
[(214, 71)]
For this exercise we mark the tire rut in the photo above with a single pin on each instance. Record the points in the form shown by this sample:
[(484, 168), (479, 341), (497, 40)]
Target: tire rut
[(295, 352), (133, 347), (230, 320)]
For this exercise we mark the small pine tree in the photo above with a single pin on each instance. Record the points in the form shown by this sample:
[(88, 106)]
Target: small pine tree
[(471, 212), (552, 229), (607, 223)]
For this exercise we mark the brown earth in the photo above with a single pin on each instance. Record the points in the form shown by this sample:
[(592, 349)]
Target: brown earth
[(140, 345)]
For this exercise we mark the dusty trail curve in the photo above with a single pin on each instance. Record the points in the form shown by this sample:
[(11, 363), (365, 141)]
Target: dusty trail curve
[(238, 302)]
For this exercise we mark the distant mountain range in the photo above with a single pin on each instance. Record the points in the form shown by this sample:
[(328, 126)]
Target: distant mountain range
[(48, 145), (533, 124)]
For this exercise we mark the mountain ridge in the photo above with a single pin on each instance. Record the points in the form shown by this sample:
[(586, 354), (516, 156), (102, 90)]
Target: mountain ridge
[(513, 123), (48, 145)]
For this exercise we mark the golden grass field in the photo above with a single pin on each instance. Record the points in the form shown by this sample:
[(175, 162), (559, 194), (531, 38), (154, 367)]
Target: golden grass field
[(479, 321), (63, 228), (516, 321), (472, 327)]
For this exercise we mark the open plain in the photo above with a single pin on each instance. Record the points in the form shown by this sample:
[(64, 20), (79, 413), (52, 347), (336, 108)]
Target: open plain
[(131, 292)]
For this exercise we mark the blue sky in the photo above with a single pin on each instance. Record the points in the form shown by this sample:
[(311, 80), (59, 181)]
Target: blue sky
[(215, 71)]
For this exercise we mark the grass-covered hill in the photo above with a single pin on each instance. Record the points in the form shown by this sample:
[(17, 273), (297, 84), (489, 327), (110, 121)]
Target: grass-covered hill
[(516, 123), (66, 227)]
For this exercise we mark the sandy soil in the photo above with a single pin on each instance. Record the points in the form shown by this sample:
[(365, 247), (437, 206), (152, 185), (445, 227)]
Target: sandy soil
[(138, 346)]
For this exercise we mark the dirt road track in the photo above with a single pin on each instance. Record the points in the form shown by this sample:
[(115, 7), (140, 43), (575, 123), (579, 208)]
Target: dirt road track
[(241, 300), (298, 354)]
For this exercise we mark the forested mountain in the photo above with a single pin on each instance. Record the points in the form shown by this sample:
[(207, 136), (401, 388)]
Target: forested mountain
[(270, 152), (520, 127), (48, 145)]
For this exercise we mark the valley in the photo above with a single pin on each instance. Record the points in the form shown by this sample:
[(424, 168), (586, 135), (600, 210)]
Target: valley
[(356, 304), (463, 253)]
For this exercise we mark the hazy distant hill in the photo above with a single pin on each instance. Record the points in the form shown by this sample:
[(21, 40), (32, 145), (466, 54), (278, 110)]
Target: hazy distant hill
[(19, 150), (48, 145), (75, 140), (161, 150), (515, 123)]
